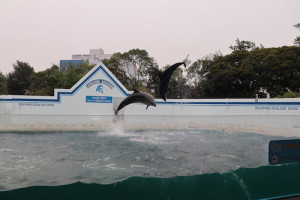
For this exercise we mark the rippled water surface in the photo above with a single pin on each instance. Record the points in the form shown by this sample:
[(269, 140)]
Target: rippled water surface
[(57, 158)]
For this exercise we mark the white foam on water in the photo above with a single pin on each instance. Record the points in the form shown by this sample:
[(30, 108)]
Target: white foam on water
[(230, 156), (92, 164), (241, 184), (152, 140), (113, 166), (7, 150), (117, 129), (286, 126), (138, 166)]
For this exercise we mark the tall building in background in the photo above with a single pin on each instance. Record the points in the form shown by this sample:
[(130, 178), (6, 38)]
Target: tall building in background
[(95, 56), (69, 63)]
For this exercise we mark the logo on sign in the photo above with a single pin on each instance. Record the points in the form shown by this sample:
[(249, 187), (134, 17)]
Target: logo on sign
[(100, 89), (100, 83)]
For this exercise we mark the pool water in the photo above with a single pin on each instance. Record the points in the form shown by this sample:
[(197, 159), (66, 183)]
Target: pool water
[(142, 164)]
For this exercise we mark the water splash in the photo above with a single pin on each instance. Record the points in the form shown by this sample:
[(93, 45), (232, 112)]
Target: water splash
[(241, 183)]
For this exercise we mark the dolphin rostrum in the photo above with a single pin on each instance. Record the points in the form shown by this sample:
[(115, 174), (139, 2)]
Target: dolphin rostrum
[(137, 97), (164, 78)]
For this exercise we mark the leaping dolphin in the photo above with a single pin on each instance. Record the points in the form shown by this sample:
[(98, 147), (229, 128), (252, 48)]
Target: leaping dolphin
[(164, 78), (137, 97)]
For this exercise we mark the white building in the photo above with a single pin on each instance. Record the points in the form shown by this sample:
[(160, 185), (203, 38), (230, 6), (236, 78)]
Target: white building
[(95, 56)]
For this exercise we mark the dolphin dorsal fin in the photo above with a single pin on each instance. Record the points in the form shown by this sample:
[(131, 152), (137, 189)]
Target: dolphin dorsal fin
[(135, 91)]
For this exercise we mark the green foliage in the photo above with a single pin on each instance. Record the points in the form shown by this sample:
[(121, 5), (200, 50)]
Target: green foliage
[(134, 68), (138, 64), (44, 82), (244, 73), (20, 79), (241, 74), (277, 69), (72, 75), (153, 80), (297, 40), (289, 94), (244, 46), (3, 84), (115, 65)]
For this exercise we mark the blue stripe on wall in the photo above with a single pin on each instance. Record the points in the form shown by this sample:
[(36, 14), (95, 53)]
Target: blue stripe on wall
[(232, 103)]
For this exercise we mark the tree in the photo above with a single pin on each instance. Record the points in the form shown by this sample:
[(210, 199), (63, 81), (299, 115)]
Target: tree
[(196, 71), (137, 65), (73, 74), (20, 79), (44, 82), (244, 46), (133, 68), (297, 40), (277, 70), (228, 77), (200, 76), (246, 73), (153, 80), (115, 65), (3, 84)]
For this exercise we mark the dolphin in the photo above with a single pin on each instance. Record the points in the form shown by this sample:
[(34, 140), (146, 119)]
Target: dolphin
[(164, 79), (137, 97)]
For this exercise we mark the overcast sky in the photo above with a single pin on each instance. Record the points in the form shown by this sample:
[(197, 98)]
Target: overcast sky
[(42, 32)]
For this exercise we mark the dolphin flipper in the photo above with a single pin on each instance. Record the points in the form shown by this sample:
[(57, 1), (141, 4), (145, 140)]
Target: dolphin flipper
[(136, 97)]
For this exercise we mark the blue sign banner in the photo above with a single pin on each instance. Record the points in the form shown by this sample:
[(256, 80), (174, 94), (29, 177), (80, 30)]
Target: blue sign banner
[(284, 151), (98, 99)]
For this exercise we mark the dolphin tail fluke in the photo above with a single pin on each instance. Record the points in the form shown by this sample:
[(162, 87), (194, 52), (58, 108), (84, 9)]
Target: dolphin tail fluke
[(185, 60), (116, 111)]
